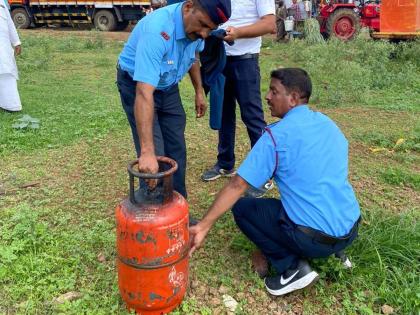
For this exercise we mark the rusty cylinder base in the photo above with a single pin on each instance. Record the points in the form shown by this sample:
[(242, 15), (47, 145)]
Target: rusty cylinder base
[(153, 302), (152, 248)]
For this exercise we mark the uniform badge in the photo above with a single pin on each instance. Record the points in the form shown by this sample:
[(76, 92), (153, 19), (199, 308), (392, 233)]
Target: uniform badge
[(170, 62), (165, 35)]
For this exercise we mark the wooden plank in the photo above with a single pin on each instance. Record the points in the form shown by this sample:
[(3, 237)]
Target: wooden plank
[(395, 35)]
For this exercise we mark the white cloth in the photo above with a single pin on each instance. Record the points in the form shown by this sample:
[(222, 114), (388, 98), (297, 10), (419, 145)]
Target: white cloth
[(9, 38), (247, 12), (9, 95)]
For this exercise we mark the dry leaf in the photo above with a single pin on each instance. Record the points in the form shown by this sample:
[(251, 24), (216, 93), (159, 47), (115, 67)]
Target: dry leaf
[(399, 142), (374, 150)]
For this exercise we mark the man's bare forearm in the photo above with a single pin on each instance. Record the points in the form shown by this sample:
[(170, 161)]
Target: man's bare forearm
[(144, 112), (266, 25), (225, 199), (195, 76)]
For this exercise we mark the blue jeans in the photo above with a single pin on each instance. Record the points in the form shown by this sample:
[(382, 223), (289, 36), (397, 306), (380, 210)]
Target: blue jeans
[(242, 85), (168, 125), (265, 222)]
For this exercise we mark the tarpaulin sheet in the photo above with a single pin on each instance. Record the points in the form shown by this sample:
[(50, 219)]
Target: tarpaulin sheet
[(400, 16)]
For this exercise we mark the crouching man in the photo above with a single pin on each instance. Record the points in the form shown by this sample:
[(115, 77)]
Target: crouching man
[(317, 214)]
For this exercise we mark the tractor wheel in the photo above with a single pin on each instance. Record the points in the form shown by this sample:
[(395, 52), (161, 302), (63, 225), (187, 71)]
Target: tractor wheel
[(343, 24), (105, 20), (21, 18)]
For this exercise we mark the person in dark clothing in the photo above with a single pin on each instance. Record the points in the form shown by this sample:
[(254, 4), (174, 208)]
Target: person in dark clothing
[(249, 21), (162, 48)]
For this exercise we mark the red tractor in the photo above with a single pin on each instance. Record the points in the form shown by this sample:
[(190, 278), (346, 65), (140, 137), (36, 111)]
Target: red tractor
[(344, 19)]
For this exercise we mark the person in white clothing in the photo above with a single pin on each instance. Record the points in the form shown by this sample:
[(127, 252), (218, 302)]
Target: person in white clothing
[(9, 48), (250, 20)]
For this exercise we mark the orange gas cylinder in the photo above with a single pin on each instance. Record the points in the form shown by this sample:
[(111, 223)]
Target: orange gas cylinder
[(152, 243)]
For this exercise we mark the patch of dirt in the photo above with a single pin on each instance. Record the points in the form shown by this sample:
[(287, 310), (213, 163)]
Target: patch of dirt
[(251, 300)]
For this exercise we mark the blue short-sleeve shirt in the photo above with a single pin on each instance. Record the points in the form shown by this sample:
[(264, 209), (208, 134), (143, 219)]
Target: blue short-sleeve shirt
[(312, 170), (158, 52)]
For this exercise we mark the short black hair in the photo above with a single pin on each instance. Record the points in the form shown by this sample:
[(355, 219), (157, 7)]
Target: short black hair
[(294, 79)]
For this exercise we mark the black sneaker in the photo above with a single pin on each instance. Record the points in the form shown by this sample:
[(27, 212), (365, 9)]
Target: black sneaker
[(292, 279), (216, 172), (253, 192)]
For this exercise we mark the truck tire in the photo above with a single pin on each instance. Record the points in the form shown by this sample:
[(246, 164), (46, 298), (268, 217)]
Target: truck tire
[(21, 18), (121, 26), (105, 20), (343, 24)]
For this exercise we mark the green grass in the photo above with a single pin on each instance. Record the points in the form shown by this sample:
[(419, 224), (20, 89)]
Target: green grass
[(396, 176), (51, 235), (71, 102)]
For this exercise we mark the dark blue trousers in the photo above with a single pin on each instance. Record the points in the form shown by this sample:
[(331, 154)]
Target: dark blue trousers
[(242, 85), (265, 222), (168, 125)]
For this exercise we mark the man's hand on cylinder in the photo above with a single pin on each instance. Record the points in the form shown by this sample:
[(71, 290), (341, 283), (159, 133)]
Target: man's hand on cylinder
[(149, 164)]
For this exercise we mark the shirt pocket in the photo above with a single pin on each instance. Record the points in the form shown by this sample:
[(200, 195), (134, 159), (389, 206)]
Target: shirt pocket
[(168, 72)]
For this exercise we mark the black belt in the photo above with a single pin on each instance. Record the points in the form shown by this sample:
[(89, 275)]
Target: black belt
[(325, 238), (242, 57)]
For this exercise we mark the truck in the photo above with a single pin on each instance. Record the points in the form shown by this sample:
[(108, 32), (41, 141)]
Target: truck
[(399, 20), (105, 15)]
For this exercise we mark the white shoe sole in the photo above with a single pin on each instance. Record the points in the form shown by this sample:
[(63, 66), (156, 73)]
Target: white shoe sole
[(211, 179), (218, 176), (307, 280)]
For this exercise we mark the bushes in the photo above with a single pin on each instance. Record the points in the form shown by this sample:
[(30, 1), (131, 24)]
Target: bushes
[(362, 71)]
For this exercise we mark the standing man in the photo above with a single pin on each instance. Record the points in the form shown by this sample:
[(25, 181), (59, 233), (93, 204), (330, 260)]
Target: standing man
[(10, 47), (281, 15), (162, 48), (249, 21), (317, 214)]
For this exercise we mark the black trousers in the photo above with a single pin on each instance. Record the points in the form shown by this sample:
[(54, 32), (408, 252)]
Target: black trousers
[(242, 85), (168, 125), (265, 222)]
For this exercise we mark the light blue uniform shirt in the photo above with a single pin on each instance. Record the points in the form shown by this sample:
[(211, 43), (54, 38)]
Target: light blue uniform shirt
[(311, 173), (158, 52)]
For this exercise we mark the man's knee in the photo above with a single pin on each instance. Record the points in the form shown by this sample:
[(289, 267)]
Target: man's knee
[(240, 207)]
